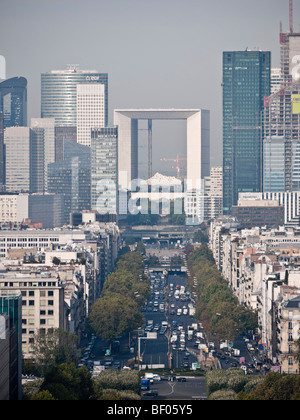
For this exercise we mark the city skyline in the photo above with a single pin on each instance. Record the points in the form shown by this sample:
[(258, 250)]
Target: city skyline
[(157, 54)]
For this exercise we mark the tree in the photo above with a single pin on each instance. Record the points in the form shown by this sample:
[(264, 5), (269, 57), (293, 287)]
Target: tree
[(52, 347), (217, 308), (43, 396), (113, 315), (200, 237), (275, 387), (66, 382)]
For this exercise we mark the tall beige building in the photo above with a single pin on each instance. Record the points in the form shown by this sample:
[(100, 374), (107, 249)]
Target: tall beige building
[(90, 110)]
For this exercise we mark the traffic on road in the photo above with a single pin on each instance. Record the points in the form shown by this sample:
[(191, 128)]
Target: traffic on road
[(170, 338)]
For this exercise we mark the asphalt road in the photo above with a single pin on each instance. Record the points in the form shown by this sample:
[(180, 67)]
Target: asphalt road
[(156, 351), (192, 388)]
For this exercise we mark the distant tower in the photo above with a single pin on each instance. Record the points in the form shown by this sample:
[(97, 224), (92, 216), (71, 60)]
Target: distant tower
[(13, 102), (90, 110), (246, 81), (59, 93), (281, 119)]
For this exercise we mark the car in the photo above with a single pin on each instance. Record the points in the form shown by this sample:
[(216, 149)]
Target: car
[(181, 379), (150, 394)]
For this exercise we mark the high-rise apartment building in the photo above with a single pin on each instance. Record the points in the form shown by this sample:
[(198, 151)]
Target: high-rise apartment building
[(104, 170), (13, 102), (246, 81), (59, 93)]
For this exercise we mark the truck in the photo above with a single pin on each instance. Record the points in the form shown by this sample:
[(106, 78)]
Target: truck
[(145, 384)]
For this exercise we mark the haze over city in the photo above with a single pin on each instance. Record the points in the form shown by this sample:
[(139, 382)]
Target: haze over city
[(149, 202), (158, 54)]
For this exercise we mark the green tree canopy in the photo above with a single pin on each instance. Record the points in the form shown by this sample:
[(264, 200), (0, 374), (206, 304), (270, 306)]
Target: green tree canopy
[(113, 315), (52, 347), (66, 382), (217, 308)]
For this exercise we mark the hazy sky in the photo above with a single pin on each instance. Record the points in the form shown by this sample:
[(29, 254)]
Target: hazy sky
[(157, 53)]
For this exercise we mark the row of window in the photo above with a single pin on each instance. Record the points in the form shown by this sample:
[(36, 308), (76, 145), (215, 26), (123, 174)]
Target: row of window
[(42, 302), (42, 293)]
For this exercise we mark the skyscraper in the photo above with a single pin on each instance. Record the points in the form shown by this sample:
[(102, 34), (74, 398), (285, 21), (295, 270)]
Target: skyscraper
[(71, 178), (90, 110), (59, 93), (13, 102), (25, 159), (18, 144), (104, 170), (281, 121), (246, 81), (47, 128)]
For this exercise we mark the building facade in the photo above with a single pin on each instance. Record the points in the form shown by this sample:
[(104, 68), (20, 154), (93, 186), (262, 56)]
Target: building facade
[(48, 146), (71, 178), (104, 170), (18, 168), (246, 81), (42, 302), (90, 110)]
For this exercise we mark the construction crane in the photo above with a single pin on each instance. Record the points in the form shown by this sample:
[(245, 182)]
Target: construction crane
[(177, 161)]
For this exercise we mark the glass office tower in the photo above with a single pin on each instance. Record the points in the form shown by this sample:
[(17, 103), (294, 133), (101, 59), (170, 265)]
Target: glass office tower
[(71, 178), (13, 102), (59, 93), (246, 81)]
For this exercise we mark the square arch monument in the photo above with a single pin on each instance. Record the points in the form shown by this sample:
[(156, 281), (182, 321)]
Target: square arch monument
[(197, 140)]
